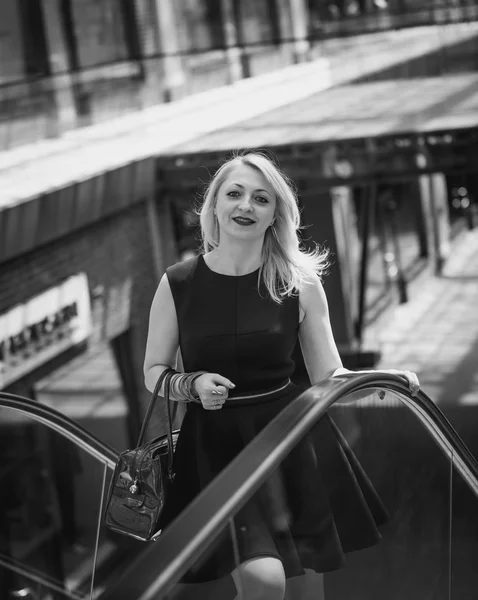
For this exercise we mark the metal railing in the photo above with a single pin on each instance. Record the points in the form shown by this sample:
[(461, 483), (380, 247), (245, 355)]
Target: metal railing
[(161, 564), (55, 421), (86, 442), (183, 542)]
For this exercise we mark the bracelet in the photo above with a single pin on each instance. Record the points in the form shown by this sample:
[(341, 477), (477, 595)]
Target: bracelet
[(195, 376), (181, 386)]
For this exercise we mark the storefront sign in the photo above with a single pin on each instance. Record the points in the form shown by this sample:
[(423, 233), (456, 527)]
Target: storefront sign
[(44, 327)]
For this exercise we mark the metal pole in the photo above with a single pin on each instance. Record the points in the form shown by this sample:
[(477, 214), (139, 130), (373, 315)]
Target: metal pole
[(400, 277), (155, 236), (368, 214), (438, 258)]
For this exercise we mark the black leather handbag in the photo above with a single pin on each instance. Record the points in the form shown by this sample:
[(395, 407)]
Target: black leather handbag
[(142, 477)]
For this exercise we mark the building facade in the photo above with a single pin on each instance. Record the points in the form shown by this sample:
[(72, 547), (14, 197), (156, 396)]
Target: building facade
[(70, 63), (79, 62)]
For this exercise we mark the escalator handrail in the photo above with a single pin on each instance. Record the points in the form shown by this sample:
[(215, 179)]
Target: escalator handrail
[(61, 424), (162, 563)]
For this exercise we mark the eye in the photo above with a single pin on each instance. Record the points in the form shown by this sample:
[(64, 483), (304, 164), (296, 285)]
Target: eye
[(233, 193), (262, 199)]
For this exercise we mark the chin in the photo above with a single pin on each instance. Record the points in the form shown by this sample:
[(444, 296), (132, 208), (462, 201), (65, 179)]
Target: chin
[(247, 235), (244, 233)]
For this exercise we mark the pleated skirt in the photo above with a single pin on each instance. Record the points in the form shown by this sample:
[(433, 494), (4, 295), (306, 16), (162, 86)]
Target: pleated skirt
[(317, 506)]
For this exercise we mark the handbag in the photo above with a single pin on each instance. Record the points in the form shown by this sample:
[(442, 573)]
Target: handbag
[(143, 476)]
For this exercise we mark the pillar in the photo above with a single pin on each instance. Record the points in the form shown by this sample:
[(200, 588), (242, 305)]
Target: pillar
[(62, 82), (174, 80), (434, 203), (299, 19), (151, 91), (234, 62)]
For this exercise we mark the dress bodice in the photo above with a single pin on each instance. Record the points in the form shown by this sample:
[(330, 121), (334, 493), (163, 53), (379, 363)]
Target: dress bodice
[(228, 325)]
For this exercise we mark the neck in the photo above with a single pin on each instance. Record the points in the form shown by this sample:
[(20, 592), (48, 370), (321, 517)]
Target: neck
[(235, 258)]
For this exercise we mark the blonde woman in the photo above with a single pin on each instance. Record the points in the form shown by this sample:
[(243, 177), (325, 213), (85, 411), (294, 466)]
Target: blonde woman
[(236, 312)]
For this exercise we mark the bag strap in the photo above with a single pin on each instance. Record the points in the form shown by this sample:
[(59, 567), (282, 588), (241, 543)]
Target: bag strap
[(166, 374), (169, 430)]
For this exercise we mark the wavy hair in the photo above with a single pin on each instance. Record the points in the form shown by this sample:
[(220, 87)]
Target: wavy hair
[(286, 266)]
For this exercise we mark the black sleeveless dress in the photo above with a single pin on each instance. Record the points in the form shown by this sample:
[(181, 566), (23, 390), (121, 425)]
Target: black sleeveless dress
[(319, 504)]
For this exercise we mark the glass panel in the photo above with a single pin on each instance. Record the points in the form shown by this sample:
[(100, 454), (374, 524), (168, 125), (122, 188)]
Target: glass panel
[(464, 536), (221, 586), (116, 552), (411, 475), (360, 508), (50, 494)]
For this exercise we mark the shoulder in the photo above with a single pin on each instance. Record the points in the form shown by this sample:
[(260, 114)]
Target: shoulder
[(312, 298), (182, 271), (178, 279)]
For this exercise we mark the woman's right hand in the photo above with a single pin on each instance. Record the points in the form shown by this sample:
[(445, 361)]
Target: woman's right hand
[(212, 389)]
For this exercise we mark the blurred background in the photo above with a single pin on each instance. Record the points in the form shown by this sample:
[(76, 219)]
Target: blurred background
[(113, 116)]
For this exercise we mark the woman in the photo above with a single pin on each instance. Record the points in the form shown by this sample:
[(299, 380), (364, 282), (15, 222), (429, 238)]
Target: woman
[(235, 312)]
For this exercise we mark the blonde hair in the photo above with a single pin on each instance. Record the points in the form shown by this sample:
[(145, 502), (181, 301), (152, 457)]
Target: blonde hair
[(286, 267)]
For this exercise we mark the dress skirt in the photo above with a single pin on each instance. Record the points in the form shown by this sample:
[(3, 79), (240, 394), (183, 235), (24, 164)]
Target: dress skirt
[(315, 507)]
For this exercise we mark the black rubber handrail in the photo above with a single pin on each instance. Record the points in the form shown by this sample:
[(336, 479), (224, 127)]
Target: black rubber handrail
[(61, 424), (161, 564)]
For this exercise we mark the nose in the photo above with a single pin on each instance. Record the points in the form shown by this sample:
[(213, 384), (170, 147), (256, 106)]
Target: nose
[(246, 203)]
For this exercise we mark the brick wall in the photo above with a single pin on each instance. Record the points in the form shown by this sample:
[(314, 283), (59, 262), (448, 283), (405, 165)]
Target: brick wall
[(108, 252)]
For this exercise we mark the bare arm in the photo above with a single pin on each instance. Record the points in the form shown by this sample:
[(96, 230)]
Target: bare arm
[(321, 356), (320, 352), (317, 342), (163, 335), (162, 346)]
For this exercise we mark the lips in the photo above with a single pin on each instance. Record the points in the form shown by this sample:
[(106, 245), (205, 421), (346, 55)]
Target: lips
[(243, 221)]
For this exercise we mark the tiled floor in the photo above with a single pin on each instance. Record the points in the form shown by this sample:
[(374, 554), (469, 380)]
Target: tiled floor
[(436, 332)]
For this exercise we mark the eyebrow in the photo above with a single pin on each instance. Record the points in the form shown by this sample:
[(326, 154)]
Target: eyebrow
[(258, 189)]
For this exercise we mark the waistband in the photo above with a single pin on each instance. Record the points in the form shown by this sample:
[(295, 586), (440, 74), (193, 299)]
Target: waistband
[(257, 395), (236, 399)]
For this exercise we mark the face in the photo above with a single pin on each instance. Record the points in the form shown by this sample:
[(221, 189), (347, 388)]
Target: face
[(245, 204)]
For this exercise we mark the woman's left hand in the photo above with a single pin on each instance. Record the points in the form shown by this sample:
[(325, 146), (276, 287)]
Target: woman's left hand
[(410, 376)]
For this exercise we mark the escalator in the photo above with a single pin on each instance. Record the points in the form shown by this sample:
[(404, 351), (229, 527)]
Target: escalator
[(53, 475), (424, 473)]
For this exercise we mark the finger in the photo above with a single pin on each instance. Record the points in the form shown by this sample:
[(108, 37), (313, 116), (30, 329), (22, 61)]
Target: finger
[(216, 406), (214, 401), (219, 380), (217, 401), (220, 391), (413, 382)]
